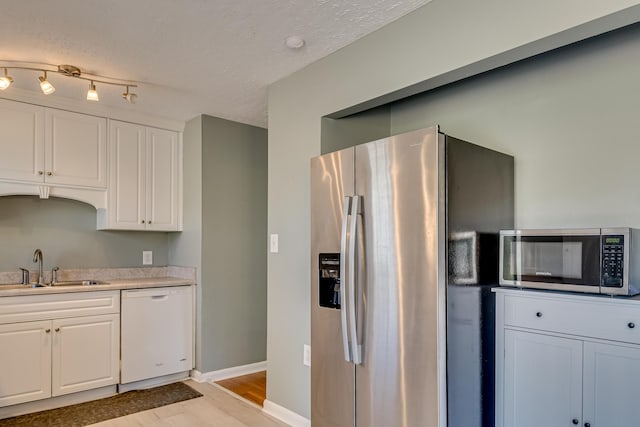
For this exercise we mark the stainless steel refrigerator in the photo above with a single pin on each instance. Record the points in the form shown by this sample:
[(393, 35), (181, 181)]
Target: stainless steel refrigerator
[(400, 321)]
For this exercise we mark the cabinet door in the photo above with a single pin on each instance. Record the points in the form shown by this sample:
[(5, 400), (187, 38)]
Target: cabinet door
[(162, 180), (75, 149), (25, 362), (611, 385), (21, 141), (85, 353), (127, 176), (542, 380)]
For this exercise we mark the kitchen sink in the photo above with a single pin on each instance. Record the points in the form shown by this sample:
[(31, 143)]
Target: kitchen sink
[(78, 283)]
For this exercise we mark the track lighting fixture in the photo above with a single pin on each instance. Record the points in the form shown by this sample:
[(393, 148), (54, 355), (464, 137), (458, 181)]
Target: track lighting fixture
[(47, 88), (67, 71), (129, 97), (92, 94), (5, 81)]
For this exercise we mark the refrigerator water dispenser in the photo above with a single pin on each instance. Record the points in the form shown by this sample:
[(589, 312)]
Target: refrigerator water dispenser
[(329, 279)]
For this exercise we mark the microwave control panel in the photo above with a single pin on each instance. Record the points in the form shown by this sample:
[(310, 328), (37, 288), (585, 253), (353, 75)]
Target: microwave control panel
[(612, 261)]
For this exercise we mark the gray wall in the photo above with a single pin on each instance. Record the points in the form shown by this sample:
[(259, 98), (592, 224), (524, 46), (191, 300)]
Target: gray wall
[(66, 232), (234, 243), (569, 118), (225, 237), (356, 129), (438, 43)]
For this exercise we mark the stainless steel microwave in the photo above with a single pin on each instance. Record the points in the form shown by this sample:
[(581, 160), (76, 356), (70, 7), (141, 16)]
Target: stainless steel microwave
[(594, 260)]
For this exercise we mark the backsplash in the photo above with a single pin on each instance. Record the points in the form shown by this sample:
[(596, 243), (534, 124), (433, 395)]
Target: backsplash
[(105, 274), (65, 231)]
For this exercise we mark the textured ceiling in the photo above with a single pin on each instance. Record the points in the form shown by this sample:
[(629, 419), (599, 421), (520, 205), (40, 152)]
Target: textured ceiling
[(190, 56)]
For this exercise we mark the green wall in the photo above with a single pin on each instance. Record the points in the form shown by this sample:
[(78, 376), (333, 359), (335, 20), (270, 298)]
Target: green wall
[(234, 243), (569, 118), (437, 44), (65, 231), (225, 236)]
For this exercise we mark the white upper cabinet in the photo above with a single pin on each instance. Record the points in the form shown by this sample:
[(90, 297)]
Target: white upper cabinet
[(144, 179), (162, 180), (132, 174), (126, 176), (21, 141), (75, 149), (54, 147)]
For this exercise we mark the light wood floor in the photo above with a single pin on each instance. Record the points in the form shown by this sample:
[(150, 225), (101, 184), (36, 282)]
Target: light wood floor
[(216, 408), (252, 387)]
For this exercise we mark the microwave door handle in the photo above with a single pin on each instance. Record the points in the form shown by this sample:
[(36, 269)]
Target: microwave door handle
[(518, 272), (343, 277), (355, 215)]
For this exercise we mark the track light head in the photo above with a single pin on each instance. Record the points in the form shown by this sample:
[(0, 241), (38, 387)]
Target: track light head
[(5, 81), (47, 88), (131, 98), (92, 94)]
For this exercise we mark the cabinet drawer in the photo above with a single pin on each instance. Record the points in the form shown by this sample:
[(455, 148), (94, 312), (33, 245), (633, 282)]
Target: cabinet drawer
[(588, 316), (57, 306)]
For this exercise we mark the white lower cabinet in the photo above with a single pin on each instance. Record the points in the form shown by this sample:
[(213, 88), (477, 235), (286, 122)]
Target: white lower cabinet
[(611, 385), (546, 376), (52, 345), (85, 353), (542, 380), (25, 362)]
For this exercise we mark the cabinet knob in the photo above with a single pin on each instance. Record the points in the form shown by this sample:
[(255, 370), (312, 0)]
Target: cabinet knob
[(47, 330), (57, 329), (587, 424), (631, 325), (149, 222), (575, 421), (49, 173), (40, 172), (142, 221), (539, 314)]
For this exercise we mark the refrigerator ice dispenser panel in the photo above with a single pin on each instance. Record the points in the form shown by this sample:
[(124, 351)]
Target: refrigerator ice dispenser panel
[(329, 280)]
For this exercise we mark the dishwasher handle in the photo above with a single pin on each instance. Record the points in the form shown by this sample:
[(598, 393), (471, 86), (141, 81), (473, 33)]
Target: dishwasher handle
[(157, 293)]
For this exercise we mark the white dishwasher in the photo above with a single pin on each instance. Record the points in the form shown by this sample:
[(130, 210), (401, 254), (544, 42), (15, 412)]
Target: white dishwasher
[(156, 332)]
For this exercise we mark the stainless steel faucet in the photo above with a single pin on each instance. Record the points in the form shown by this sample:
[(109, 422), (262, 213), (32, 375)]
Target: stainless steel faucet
[(25, 276), (54, 275), (37, 257)]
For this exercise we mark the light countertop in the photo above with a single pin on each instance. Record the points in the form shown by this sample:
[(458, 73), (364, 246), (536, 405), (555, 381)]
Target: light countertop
[(109, 279)]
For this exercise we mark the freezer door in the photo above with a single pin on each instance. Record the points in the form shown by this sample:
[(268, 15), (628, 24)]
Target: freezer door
[(401, 379), (332, 377)]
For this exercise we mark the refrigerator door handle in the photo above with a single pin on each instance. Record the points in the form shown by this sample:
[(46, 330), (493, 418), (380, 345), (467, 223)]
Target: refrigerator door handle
[(355, 215), (343, 277)]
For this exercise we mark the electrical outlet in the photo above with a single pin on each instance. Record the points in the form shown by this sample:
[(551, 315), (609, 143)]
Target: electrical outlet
[(274, 244), (306, 357), (147, 257)]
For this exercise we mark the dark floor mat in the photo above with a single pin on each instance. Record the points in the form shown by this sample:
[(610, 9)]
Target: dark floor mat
[(84, 414)]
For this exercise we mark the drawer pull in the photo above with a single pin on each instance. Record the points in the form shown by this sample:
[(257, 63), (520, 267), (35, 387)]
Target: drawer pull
[(575, 421), (631, 325), (539, 314), (57, 329), (47, 330)]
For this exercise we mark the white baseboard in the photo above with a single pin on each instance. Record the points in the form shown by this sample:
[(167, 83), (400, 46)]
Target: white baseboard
[(285, 415), (223, 374)]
